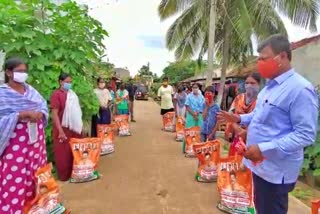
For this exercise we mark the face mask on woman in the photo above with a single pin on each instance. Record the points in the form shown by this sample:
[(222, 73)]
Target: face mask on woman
[(195, 90), (102, 85), (67, 86), (252, 92), (20, 77)]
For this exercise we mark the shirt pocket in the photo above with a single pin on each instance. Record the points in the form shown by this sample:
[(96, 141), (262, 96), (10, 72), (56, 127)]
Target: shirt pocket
[(271, 112)]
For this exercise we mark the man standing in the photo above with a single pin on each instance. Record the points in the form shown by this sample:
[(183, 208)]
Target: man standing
[(282, 124), (165, 92), (131, 90)]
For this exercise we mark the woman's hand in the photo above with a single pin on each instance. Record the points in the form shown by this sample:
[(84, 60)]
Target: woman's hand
[(32, 116), (62, 136)]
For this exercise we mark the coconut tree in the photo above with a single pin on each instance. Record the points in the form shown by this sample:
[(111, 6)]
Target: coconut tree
[(234, 24)]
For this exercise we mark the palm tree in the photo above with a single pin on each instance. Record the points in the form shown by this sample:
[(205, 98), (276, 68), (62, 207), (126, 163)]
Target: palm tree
[(235, 22)]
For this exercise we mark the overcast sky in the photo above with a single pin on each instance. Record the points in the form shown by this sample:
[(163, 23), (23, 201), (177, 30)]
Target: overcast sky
[(137, 36)]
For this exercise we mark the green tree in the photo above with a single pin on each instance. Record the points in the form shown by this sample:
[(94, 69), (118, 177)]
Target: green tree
[(232, 24), (178, 71), (54, 39)]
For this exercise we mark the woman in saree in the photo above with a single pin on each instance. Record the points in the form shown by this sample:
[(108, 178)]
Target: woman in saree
[(243, 104), (67, 123), (194, 107), (104, 115), (23, 117)]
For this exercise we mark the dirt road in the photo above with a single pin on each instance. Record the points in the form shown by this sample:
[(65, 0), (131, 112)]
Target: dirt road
[(146, 175)]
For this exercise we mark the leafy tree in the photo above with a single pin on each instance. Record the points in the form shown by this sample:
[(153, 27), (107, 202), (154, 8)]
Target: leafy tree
[(178, 71), (54, 39), (233, 23)]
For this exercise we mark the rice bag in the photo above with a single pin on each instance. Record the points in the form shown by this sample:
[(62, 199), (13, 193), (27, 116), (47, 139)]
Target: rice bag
[(180, 129), (208, 155), (192, 137), (169, 122), (47, 200), (122, 122), (235, 186), (106, 132), (86, 153)]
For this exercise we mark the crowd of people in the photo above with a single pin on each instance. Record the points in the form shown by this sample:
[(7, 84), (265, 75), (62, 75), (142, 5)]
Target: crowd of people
[(24, 116), (276, 121)]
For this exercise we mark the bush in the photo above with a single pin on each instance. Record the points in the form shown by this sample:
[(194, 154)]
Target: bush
[(54, 39)]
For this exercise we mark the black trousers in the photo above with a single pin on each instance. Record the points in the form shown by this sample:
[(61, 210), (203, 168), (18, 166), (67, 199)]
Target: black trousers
[(271, 198)]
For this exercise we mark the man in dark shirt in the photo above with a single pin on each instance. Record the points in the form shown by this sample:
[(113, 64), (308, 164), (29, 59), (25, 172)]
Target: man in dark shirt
[(131, 89)]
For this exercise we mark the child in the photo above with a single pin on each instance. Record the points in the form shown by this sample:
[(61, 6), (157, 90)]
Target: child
[(122, 100), (210, 109)]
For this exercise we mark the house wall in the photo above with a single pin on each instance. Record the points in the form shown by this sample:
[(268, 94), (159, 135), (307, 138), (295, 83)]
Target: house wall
[(306, 61)]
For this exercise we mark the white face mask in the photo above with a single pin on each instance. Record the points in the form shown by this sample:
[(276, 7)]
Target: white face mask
[(20, 77)]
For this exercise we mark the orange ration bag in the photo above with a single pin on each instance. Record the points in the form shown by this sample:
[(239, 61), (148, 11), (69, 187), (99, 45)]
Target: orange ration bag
[(192, 137), (235, 186), (122, 122), (180, 129), (106, 133), (168, 120), (47, 200), (86, 153), (208, 155)]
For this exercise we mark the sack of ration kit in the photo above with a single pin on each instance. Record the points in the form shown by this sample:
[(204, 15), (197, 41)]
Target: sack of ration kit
[(106, 133), (192, 137), (86, 153), (168, 120), (180, 128), (208, 155), (235, 186), (47, 200), (122, 122)]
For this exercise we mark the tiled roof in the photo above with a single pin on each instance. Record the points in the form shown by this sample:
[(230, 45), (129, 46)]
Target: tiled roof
[(303, 42)]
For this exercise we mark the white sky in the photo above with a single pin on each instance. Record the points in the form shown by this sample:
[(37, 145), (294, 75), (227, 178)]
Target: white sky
[(137, 36)]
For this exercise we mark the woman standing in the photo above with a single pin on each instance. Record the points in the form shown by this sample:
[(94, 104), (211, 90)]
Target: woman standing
[(104, 98), (194, 106), (23, 116), (180, 99), (122, 100), (67, 123), (243, 104)]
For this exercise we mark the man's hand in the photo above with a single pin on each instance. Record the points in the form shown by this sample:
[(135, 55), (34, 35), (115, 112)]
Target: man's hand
[(253, 153), (227, 116), (195, 115)]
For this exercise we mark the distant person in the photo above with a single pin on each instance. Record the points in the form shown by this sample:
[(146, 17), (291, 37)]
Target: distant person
[(131, 90), (282, 124), (165, 93), (210, 110), (104, 97), (67, 123), (23, 118), (122, 100), (194, 107), (180, 100)]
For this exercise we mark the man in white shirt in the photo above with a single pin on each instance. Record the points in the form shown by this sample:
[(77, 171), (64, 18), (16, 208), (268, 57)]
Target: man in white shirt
[(165, 93)]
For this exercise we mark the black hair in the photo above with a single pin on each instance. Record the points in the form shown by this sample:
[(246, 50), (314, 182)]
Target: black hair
[(165, 79), (256, 76), (211, 89), (63, 76), (233, 173), (85, 152), (11, 64), (207, 154), (99, 79), (278, 43), (180, 89)]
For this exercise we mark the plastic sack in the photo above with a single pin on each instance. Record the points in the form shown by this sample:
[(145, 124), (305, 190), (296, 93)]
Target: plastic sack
[(47, 200), (208, 155), (122, 122), (106, 133), (168, 120), (180, 129), (86, 153), (192, 137), (235, 186)]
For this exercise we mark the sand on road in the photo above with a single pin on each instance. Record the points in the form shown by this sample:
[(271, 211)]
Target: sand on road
[(148, 174)]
